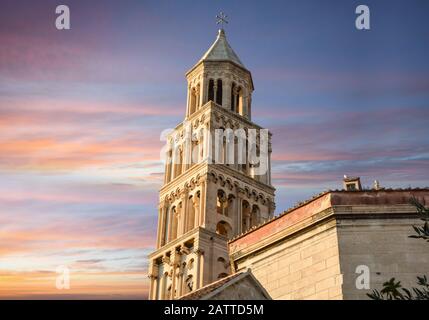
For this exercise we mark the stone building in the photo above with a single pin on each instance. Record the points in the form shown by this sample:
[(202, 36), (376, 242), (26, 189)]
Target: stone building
[(211, 192), (338, 245)]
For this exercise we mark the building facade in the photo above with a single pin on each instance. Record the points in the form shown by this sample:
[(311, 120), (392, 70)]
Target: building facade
[(212, 191), (338, 245)]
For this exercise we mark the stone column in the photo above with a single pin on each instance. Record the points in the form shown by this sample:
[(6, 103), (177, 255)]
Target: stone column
[(215, 91), (183, 212), (244, 101), (200, 268), (196, 205), (207, 142), (163, 236), (180, 283), (175, 265), (203, 90), (163, 279), (226, 93), (153, 276), (180, 213), (197, 97), (202, 206), (155, 285), (160, 225), (240, 211)]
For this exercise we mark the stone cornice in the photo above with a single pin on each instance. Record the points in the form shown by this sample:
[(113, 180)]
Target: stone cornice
[(178, 182), (196, 234), (241, 176), (207, 64)]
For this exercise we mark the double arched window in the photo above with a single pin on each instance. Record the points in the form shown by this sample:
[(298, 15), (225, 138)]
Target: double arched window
[(215, 91)]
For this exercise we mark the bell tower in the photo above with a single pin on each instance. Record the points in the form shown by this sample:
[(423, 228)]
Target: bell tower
[(217, 181)]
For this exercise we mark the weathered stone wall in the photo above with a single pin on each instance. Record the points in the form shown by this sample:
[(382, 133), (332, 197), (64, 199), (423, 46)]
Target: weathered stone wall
[(302, 267), (384, 246)]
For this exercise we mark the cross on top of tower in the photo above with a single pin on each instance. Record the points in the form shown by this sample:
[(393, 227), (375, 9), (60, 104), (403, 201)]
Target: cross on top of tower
[(221, 19)]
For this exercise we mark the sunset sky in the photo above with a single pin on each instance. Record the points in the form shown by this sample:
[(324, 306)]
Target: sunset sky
[(81, 112)]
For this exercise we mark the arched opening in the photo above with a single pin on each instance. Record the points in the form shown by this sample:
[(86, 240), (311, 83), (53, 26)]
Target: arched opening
[(191, 264), (221, 202), (191, 214), (219, 92), (237, 99), (211, 90), (224, 229), (245, 211), (230, 205), (239, 103), (224, 149), (232, 97), (174, 223), (254, 216), (189, 284)]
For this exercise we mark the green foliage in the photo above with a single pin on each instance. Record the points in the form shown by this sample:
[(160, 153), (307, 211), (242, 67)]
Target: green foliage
[(422, 232), (393, 290)]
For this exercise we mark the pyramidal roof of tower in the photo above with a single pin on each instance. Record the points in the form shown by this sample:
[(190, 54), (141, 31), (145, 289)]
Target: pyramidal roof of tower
[(221, 51)]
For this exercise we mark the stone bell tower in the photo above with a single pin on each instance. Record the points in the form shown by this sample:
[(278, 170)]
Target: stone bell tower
[(212, 191)]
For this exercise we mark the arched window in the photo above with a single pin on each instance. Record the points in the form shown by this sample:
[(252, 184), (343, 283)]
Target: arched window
[(254, 217), (219, 92), (229, 205), (239, 102), (191, 264), (224, 229), (221, 203), (174, 223), (237, 99), (191, 214), (245, 211), (232, 97), (189, 283), (221, 259), (211, 90)]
